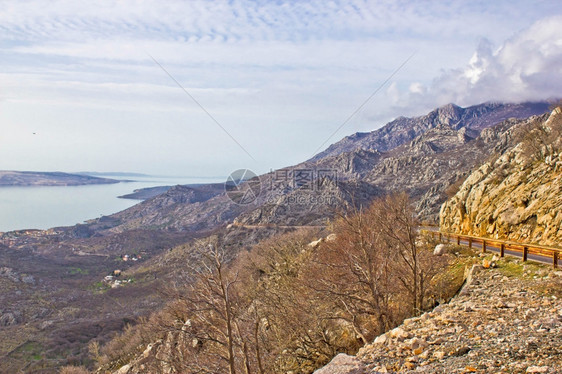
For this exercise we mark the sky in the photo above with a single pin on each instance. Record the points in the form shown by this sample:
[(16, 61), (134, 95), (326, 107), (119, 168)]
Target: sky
[(202, 88)]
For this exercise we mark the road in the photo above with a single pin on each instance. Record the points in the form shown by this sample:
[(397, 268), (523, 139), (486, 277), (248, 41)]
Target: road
[(507, 252)]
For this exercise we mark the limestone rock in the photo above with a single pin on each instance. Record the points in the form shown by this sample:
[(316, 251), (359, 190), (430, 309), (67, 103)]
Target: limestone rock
[(343, 364), (399, 334), (381, 339), (483, 330), (537, 369), (515, 197), (439, 250)]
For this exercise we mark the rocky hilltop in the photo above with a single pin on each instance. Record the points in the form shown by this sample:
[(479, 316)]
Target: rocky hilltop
[(518, 194), (497, 324)]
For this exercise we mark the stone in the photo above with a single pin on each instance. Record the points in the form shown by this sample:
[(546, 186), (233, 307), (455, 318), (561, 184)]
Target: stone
[(124, 369), (439, 250), (501, 317), (461, 351), (381, 339), (342, 364), (315, 243), (8, 319), (409, 365), (439, 354), (147, 351), (399, 334), (415, 343), (537, 369), (331, 238), (28, 279)]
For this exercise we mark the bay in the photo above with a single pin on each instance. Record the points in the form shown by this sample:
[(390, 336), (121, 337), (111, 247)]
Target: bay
[(43, 207)]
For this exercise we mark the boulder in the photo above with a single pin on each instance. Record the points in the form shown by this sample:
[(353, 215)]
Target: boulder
[(399, 333), (331, 238), (381, 339), (439, 250), (537, 369), (343, 364), (416, 343), (315, 243)]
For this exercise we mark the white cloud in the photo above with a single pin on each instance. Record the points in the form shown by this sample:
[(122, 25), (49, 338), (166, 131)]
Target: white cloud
[(527, 66)]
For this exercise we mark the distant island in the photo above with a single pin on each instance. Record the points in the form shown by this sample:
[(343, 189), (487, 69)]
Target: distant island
[(113, 174), (34, 178)]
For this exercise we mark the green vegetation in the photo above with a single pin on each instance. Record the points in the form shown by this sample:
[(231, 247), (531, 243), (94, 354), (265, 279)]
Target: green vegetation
[(76, 270)]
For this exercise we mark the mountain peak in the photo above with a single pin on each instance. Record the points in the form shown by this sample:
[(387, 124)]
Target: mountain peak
[(403, 129)]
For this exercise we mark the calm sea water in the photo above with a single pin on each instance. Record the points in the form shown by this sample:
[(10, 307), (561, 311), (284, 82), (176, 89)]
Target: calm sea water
[(46, 207)]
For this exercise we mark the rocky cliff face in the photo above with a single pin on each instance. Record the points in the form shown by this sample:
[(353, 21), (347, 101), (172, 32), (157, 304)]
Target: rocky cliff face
[(516, 196)]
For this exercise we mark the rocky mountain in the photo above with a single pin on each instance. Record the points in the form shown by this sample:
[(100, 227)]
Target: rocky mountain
[(425, 155), (35, 178), (403, 130), (422, 155), (518, 194)]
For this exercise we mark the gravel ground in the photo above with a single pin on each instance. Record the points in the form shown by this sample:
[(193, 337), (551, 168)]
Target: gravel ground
[(505, 320)]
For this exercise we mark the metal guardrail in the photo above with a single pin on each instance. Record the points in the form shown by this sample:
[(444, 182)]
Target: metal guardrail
[(503, 245)]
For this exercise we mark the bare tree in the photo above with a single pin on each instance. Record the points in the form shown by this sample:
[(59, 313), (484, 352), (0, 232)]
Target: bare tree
[(354, 270), (377, 268)]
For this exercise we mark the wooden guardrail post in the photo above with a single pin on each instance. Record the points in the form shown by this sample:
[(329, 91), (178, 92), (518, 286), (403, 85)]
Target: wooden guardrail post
[(483, 246), (469, 243), (525, 252), (458, 240), (555, 259), (502, 249)]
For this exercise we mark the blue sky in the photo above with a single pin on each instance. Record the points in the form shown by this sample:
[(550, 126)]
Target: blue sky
[(79, 90)]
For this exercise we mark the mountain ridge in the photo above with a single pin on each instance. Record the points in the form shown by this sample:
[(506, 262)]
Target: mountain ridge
[(416, 165), (404, 129)]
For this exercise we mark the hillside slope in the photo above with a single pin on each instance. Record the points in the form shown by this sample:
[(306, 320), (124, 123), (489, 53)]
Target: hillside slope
[(518, 195), (497, 324)]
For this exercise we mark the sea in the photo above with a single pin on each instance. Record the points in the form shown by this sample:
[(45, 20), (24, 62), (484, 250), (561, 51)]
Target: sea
[(44, 207)]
